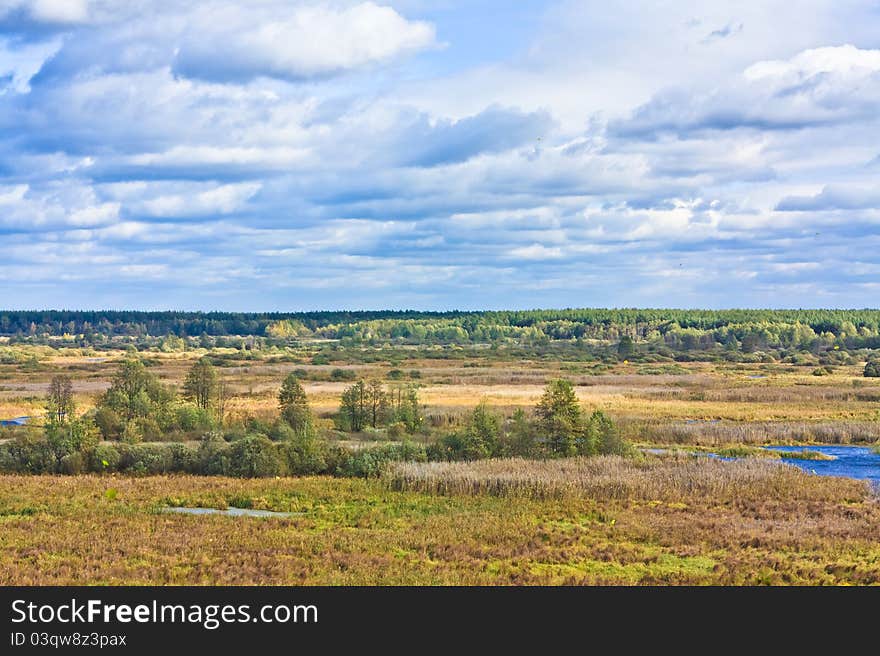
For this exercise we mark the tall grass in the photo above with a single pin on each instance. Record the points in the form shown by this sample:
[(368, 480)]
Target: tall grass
[(752, 432), (617, 478)]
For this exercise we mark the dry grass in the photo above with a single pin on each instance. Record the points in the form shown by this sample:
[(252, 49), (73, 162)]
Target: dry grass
[(723, 433), (68, 530), (615, 478)]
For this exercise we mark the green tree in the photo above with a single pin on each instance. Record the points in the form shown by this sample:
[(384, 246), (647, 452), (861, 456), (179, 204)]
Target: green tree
[(129, 390), (353, 407), (872, 369), (482, 435), (136, 404), (254, 456), (60, 406), (293, 403), (519, 439), (406, 407), (626, 347), (376, 403), (559, 417), (200, 385), (303, 450), (75, 436)]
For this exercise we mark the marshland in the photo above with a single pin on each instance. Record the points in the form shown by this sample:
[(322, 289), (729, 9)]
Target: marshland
[(551, 447)]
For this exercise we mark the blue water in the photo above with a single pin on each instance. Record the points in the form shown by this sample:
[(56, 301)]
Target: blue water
[(851, 461), (18, 421)]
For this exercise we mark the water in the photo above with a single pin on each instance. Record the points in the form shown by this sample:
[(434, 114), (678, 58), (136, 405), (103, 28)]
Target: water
[(851, 461), (18, 421), (229, 512)]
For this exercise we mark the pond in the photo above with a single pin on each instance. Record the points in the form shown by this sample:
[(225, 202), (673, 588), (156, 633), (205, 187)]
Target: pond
[(18, 421), (851, 461), (229, 512)]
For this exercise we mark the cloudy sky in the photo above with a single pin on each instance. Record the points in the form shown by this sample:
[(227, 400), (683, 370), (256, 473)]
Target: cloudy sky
[(285, 155)]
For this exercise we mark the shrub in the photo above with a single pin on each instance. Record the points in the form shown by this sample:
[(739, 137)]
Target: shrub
[(366, 463), (109, 423), (72, 463), (342, 374), (254, 456), (30, 453), (183, 457), (212, 456), (145, 459), (190, 417), (105, 457), (872, 369), (8, 462), (397, 430), (303, 453), (395, 374)]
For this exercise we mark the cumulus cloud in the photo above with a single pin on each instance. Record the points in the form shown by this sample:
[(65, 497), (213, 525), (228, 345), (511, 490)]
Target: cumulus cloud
[(834, 197), (220, 40), (47, 11), (817, 87), (304, 42), (185, 154)]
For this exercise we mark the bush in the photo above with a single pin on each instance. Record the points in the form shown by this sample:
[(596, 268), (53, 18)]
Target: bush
[(72, 463), (395, 374), (212, 456), (449, 447), (105, 457), (304, 455), (342, 374), (183, 457), (149, 430), (366, 463), (188, 417), (143, 459), (29, 453), (397, 430), (254, 456), (109, 423), (872, 369)]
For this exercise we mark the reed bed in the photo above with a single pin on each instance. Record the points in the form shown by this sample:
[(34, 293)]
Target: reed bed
[(605, 478), (715, 433)]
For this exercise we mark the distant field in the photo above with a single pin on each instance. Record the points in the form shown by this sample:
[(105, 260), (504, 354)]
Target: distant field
[(449, 388)]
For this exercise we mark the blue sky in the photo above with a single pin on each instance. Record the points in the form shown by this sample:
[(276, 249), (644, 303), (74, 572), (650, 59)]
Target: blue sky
[(281, 155)]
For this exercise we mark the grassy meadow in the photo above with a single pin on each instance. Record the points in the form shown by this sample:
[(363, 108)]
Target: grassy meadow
[(742, 523)]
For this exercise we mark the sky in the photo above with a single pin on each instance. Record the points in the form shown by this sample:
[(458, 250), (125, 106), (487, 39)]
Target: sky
[(256, 155)]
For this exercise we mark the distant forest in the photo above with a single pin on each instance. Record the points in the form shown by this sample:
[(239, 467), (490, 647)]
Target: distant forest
[(745, 331)]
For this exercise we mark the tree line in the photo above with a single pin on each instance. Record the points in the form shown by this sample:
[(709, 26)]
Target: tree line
[(748, 330), (129, 428)]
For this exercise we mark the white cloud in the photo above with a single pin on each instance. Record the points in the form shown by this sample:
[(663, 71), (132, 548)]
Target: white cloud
[(843, 60), (224, 199), (211, 147), (304, 42), (59, 11), (536, 252), (49, 11)]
